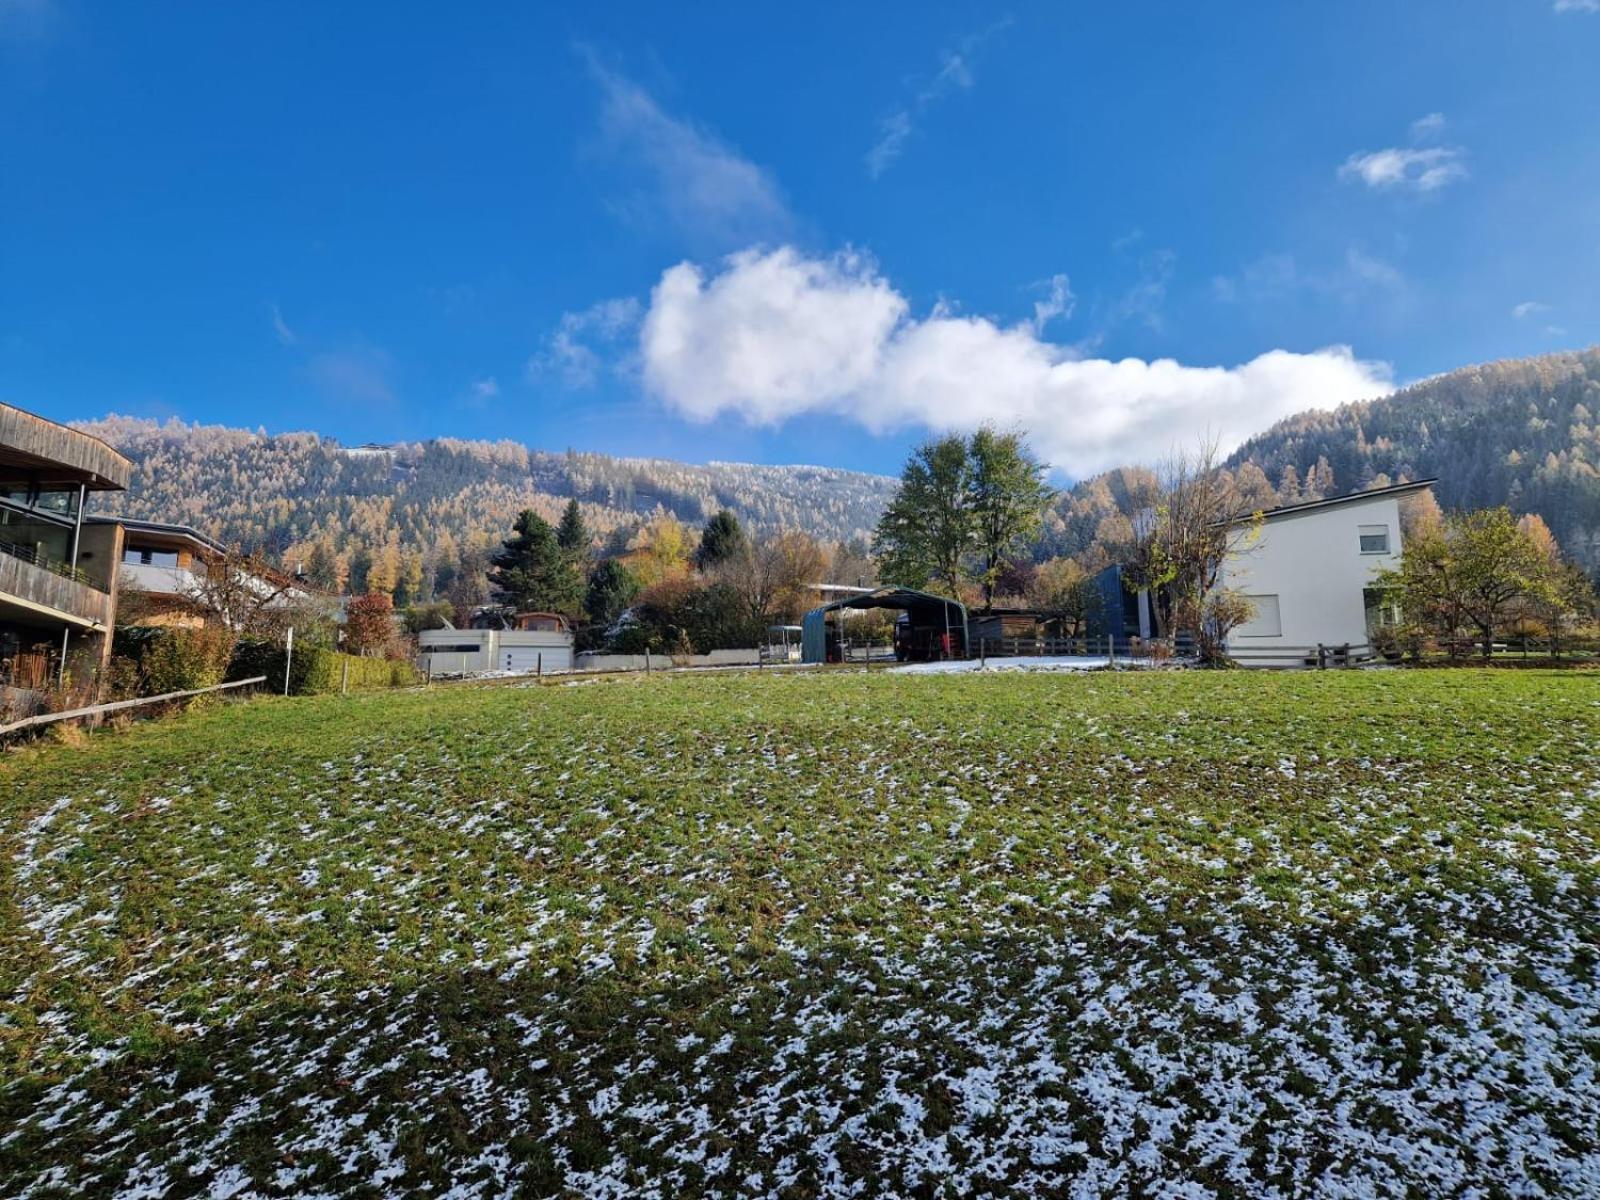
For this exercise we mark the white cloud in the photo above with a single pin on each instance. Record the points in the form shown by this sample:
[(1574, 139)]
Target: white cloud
[(1368, 269), (570, 349), (280, 328), (1421, 169), (1058, 302), (773, 335), (893, 130), (1144, 301), (1578, 6), (486, 388), (360, 374), (704, 188), (1273, 278), (955, 73), (1427, 128), (1528, 308)]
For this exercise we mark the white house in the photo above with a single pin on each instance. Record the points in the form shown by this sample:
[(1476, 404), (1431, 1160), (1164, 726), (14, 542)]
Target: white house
[(1308, 570), (536, 642)]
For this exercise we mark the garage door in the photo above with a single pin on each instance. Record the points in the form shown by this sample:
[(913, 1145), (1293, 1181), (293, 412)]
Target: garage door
[(524, 659)]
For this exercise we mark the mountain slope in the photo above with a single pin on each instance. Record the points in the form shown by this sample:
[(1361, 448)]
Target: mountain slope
[(281, 493)]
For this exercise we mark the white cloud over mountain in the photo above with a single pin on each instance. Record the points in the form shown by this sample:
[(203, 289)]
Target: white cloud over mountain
[(771, 335), (707, 190)]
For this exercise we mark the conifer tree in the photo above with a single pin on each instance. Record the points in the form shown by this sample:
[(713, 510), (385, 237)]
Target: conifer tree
[(572, 535), (531, 571), (721, 541)]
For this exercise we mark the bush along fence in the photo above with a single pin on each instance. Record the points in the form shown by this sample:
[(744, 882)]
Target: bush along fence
[(319, 671)]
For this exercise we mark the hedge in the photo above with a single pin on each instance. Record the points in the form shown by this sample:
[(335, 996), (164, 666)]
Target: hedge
[(316, 670)]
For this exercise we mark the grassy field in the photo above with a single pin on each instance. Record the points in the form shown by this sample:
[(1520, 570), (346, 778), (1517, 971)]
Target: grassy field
[(1174, 934)]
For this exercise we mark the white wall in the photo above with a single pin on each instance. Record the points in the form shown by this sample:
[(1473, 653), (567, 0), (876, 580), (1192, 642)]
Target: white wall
[(527, 650), (441, 656), (532, 649), (1313, 563), (590, 661), (174, 581)]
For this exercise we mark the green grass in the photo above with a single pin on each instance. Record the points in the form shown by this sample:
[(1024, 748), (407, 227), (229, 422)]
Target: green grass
[(783, 934)]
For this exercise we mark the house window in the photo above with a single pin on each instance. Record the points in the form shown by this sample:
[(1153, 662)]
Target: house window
[(1265, 621), (150, 558), (1374, 539)]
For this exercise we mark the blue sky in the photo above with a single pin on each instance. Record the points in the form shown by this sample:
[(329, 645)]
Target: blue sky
[(799, 235)]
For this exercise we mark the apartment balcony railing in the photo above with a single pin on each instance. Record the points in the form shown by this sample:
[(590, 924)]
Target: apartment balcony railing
[(29, 554), (68, 593)]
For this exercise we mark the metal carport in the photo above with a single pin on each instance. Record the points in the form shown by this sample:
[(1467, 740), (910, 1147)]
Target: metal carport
[(926, 610)]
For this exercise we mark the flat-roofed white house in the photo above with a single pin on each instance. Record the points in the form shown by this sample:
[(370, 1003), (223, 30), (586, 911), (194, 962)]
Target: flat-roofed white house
[(1309, 572), (520, 645)]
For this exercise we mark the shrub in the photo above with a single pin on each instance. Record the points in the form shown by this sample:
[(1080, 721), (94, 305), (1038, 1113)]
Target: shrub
[(681, 616), (155, 660), (369, 623)]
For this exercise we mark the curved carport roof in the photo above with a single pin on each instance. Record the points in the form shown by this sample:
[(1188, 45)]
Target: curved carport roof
[(935, 610)]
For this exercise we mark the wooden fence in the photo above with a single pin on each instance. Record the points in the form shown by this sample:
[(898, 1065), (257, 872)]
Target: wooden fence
[(1320, 657), (99, 710)]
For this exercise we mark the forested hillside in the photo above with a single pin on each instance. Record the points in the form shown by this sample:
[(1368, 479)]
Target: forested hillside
[(445, 500)]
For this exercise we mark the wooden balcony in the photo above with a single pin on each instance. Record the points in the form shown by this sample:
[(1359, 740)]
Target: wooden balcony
[(47, 594)]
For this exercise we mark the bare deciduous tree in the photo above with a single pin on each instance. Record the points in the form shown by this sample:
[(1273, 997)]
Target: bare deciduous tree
[(1199, 519), (773, 575)]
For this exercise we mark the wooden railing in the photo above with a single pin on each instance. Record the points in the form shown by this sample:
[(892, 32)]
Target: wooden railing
[(48, 589), (100, 710), (1321, 657)]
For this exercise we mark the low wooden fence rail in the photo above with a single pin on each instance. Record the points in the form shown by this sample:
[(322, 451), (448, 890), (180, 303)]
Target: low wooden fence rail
[(97, 710), (1320, 657)]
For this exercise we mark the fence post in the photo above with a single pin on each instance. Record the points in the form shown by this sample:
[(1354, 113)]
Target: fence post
[(647, 660), (344, 679), (1322, 658), (538, 665), (288, 658), (1111, 649)]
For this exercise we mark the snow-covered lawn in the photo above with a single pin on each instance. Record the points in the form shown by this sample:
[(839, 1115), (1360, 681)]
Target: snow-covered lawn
[(1041, 662), (815, 934)]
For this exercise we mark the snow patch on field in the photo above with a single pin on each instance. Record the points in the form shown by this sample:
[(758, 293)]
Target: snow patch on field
[(1054, 662)]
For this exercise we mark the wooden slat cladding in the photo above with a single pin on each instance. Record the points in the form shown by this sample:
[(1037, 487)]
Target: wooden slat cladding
[(39, 586), (58, 455)]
